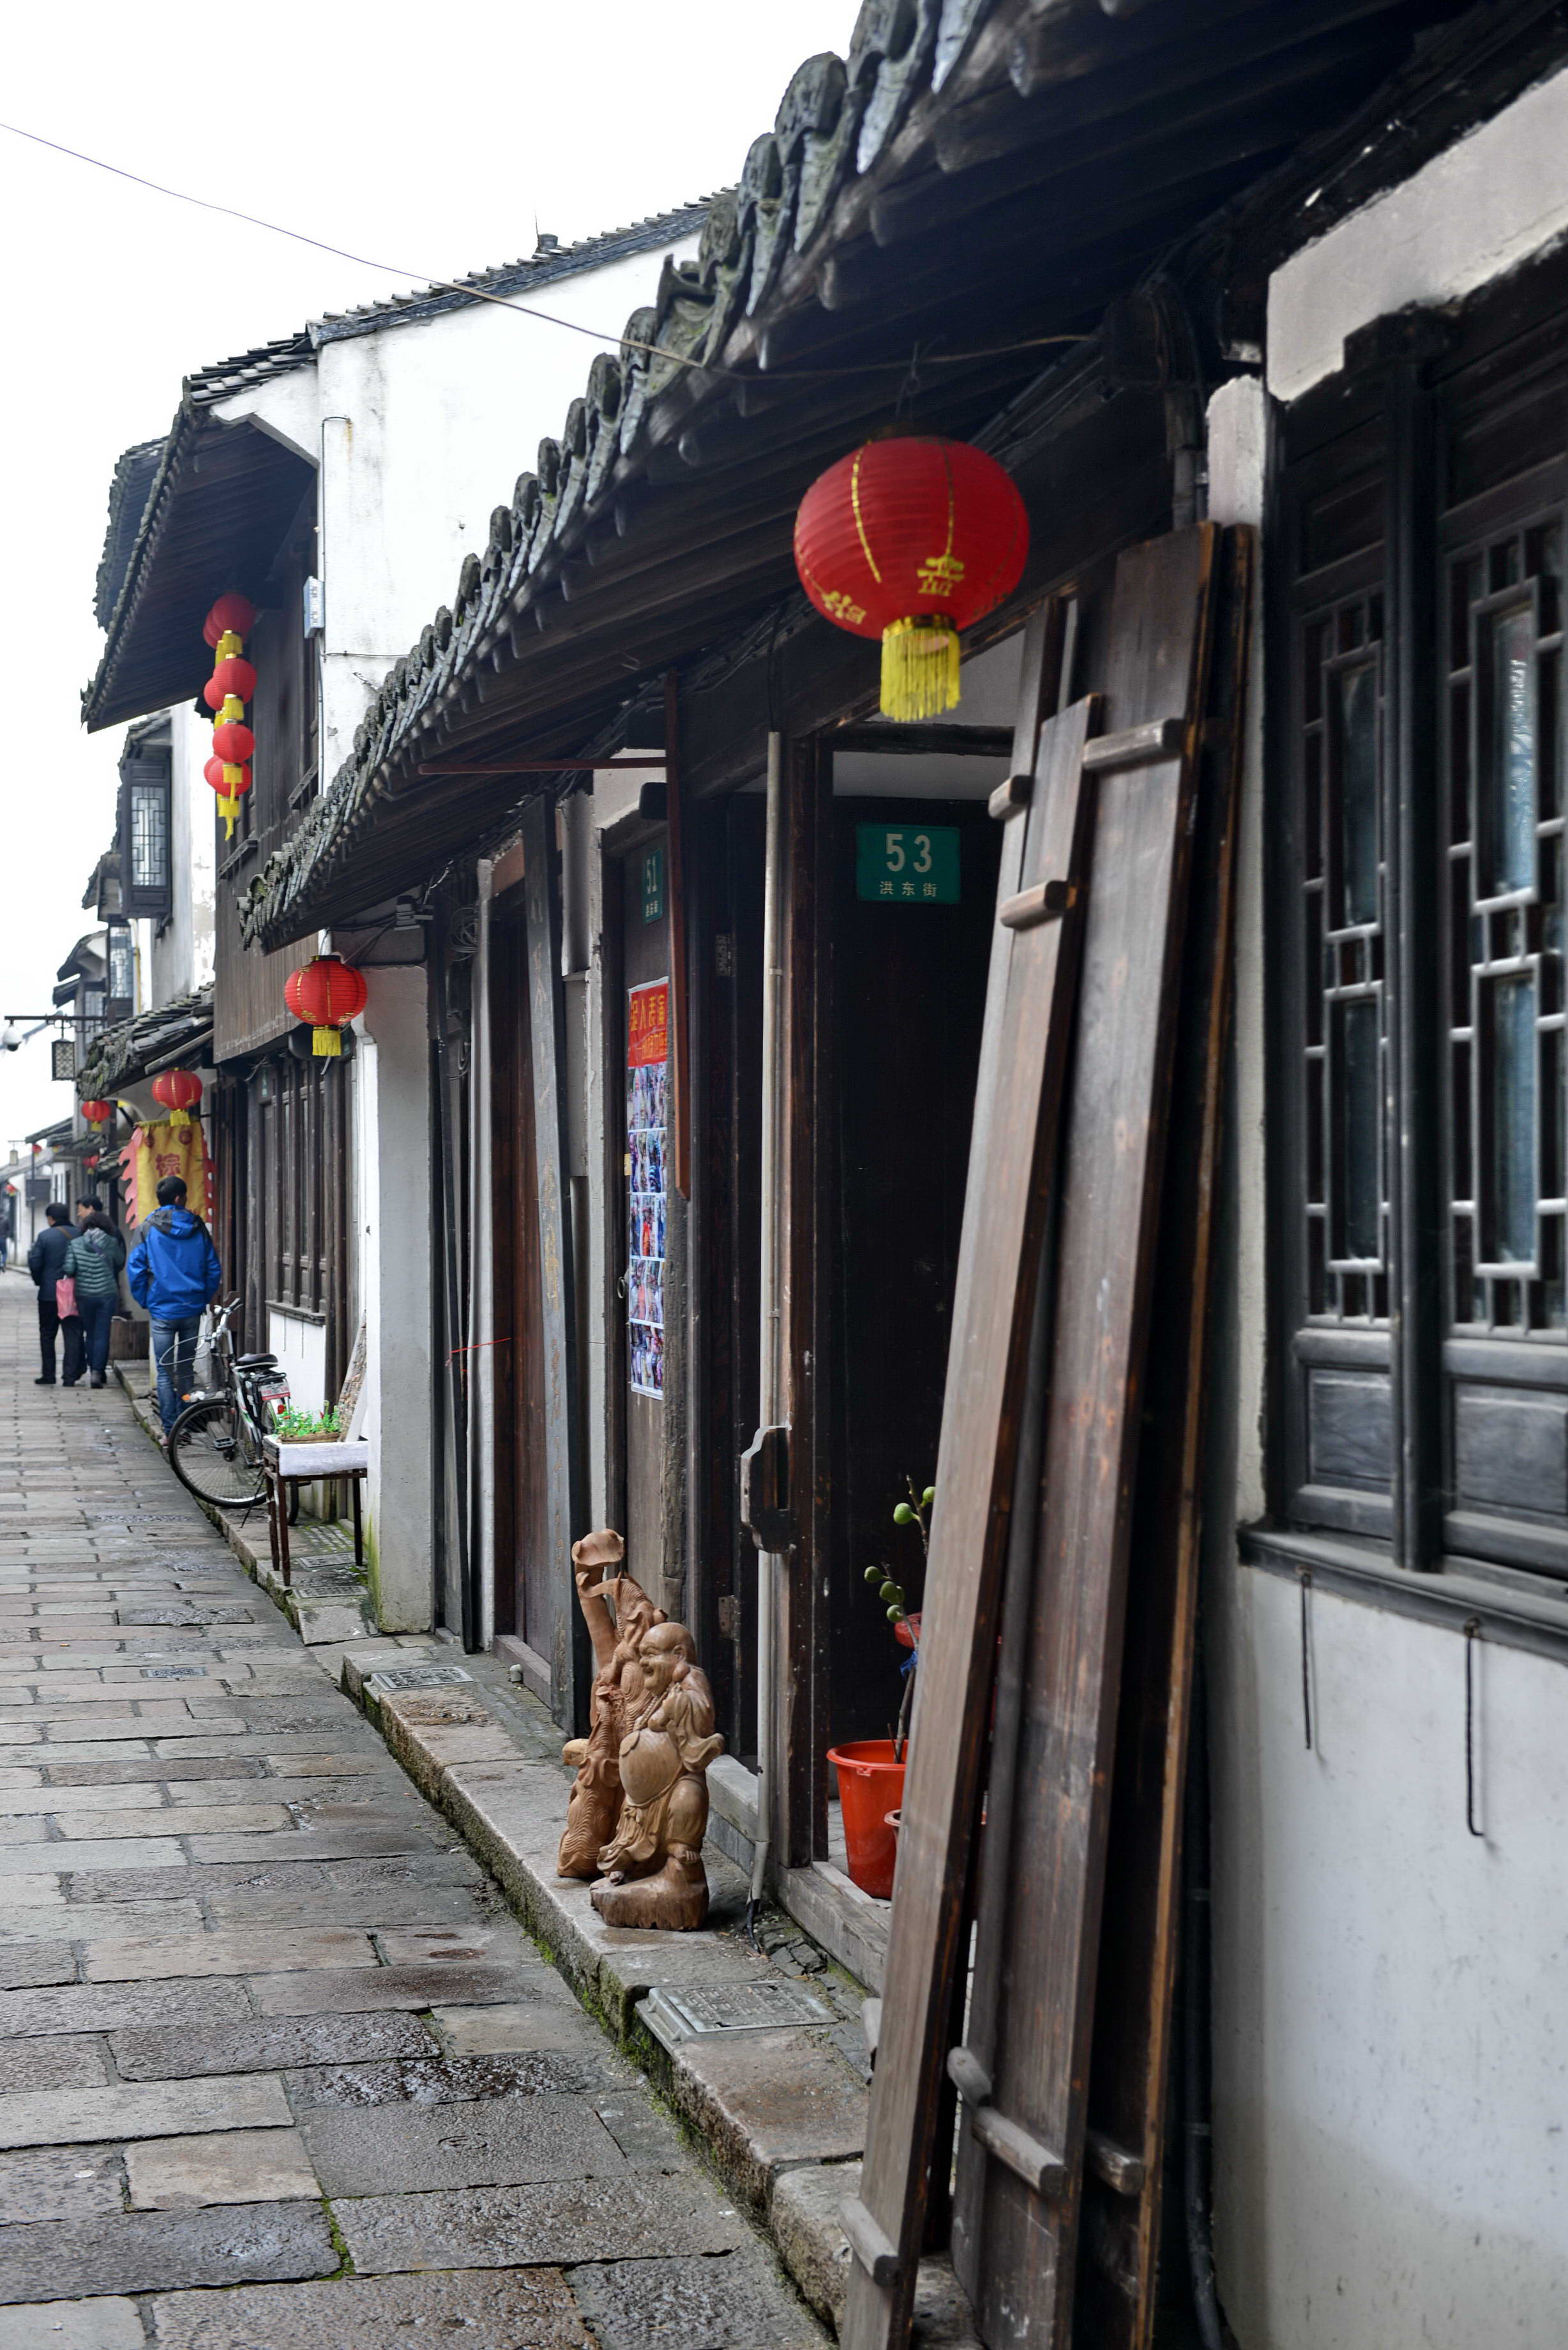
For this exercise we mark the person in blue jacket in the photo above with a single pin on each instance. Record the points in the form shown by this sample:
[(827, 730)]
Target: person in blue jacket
[(175, 1272)]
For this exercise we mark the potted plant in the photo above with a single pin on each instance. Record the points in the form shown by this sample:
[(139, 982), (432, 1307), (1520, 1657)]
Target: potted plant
[(872, 1770), (293, 1426)]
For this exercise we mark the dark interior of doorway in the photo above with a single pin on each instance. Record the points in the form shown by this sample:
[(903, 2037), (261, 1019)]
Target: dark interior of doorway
[(908, 999)]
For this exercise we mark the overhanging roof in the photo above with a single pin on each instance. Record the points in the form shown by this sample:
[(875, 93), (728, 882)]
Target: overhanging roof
[(135, 1048), (936, 205), (224, 497), (205, 509)]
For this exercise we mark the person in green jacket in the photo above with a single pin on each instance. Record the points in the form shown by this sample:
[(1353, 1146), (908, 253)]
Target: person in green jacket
[(93, 1260)]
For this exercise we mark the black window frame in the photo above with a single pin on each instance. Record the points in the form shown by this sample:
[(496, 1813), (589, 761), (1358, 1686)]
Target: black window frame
[(145, 781), (1441, 438)]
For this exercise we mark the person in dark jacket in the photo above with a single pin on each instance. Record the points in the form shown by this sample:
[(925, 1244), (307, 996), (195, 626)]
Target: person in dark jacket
[(93, 1261), (174, 1270), (45, 1262)]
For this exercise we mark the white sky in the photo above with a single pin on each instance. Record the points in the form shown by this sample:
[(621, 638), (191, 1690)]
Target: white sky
[(433, 139)]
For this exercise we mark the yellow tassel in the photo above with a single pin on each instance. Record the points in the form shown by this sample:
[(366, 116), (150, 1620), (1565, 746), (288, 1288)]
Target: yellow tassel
[(327, 1042), (228, 643), (228, 809), (232, 711), (919, 668)]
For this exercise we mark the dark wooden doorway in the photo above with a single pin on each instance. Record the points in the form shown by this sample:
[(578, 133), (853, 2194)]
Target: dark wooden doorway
[(527, 1575)]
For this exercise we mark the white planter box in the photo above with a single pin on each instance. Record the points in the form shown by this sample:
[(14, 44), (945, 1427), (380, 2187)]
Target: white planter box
[(325, 1460)]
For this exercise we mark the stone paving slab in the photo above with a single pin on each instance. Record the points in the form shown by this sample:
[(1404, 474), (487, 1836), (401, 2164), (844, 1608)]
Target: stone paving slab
[(502, 2227), (110, 2007), (180, 2054), (142, 2109), (62, 2063), (353, 1990), (736, 2300), (496, 2142), (234, 1951), (185, 2174), (154, 2252), (59, 2183), (529, 2309), (106, 2324)]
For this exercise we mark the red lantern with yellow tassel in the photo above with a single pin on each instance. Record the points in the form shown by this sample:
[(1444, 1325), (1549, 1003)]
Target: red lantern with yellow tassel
[(97, 1113), (326, 994), (177, 1091), (911, 540)]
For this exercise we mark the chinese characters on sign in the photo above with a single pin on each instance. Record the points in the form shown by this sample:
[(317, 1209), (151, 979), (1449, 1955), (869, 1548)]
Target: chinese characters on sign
[(647, 1073), (653, 885), (906, 865)]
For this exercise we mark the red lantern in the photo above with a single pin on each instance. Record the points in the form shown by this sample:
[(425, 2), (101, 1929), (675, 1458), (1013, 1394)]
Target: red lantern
[(97, 1113), (233, 675), (177, 1091), (212, 694), (92, 1159), (228, 782), (911, 540), (230, 614), (326, 994), (233, 742)]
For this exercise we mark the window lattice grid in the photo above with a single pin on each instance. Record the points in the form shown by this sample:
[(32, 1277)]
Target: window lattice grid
[(1343, 884), (1504, 795), (149, 837)]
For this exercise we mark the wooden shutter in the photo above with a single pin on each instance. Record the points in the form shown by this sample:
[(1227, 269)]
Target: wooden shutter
[(1023, 2069)]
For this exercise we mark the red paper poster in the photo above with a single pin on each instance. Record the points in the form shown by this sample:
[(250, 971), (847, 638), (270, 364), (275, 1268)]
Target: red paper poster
[(647, 1117)]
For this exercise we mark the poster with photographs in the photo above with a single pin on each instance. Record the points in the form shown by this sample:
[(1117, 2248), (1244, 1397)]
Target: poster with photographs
[(646, 1082)]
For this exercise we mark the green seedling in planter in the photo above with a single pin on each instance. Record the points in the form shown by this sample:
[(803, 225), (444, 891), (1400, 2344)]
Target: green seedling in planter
[(916, 1512), (293, 1426)]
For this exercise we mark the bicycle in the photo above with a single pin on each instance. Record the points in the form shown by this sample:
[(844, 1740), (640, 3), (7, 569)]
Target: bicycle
[(215, 1445)]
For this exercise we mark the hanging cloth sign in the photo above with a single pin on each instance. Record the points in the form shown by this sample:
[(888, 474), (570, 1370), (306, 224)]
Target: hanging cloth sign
[(155, 1151), (646, 1118)]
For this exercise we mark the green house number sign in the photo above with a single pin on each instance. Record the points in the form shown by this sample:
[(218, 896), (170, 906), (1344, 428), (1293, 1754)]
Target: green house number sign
[(908, 864), (653, 885)]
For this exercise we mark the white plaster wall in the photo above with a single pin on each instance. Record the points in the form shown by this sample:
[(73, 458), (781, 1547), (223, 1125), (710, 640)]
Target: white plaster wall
[(392, 1131), (179, 956), (1390, 1993), (420, 432), (1480, 209), (301, 1347)]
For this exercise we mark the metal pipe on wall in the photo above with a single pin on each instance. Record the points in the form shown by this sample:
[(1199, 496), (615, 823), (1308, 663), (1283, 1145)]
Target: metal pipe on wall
[(770, 1382)]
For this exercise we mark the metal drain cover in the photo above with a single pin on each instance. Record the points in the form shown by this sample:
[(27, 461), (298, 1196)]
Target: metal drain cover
[(416, 1676), (708, 2013)]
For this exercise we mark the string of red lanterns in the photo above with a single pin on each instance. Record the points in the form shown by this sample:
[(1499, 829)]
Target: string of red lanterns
[(326, 994), (232, 684), (911, 540)]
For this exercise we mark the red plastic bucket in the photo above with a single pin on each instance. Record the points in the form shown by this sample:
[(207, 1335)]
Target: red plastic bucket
[(870, 1786)]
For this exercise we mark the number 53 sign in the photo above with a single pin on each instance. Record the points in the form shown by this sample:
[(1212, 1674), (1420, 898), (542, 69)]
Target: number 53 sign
[(907, 865)]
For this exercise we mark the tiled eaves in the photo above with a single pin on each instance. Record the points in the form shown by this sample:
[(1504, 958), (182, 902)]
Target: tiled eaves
[(145, 474), (120, 1054), (842, 128)]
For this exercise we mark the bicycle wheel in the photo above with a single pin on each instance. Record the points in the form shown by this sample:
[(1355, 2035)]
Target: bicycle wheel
[(207, 1452)]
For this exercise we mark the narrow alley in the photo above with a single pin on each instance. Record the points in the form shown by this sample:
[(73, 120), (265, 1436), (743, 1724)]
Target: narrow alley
[(279, 2070)]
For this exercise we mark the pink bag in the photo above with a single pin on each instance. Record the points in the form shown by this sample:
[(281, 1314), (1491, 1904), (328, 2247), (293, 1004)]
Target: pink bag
[(65, 1305)]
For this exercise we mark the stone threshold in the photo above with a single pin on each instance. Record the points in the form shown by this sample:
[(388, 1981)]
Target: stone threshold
[(326, 1601), (779, 2114)]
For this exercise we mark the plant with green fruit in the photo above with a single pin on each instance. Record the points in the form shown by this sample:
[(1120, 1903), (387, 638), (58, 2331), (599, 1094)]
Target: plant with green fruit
[(916, 1512)]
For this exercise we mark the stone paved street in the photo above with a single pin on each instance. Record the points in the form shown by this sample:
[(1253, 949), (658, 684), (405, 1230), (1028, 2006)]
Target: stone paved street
[(278, 2069)]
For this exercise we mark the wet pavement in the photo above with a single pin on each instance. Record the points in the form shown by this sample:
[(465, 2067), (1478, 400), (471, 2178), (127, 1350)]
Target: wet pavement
[(278, 2069)]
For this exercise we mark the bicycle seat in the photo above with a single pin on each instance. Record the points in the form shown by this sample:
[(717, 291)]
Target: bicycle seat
[(253, 1362)]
